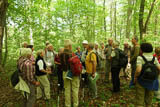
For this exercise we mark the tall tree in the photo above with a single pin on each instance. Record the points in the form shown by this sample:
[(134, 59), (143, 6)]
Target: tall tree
[(3, 9), (129, 14), (143, 28)]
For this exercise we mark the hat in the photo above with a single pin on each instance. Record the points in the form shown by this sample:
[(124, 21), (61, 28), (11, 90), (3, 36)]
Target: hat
[(146, 47), (67, 42), (85, 42)]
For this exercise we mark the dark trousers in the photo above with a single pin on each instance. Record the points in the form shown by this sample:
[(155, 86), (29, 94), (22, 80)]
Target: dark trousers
[(60, 77), (133, 67), (115, 79)]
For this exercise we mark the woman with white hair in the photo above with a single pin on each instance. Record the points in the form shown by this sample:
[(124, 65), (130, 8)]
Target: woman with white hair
[(27, 72), (41, 73), (115, 67)]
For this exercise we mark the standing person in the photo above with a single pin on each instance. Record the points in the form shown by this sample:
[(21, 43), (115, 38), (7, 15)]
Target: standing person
[(157, 55), (97, 52), (27, 72), (49, 57), (59, 68), (78, 53), (84, 52), (134, 54), (108, 51), (144, 87), (41, 73), (127, 50), (91, 62), (103, 62), (71, 86), (115, 67)]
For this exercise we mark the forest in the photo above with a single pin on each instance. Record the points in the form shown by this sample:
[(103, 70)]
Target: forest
[(38, 21)]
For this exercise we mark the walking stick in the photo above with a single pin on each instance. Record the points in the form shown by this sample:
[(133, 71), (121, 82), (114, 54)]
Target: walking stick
[(58, 96)]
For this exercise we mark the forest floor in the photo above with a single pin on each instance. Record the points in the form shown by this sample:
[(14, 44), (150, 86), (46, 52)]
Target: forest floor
[(11, 98)]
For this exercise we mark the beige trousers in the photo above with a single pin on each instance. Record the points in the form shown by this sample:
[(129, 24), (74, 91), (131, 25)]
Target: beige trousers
[(71, 88)]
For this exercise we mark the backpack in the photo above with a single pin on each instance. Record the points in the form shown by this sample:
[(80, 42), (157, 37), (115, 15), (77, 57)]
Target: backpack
[(15, 78), (149, 70), (123, 59), (75, 65), (98, 59)]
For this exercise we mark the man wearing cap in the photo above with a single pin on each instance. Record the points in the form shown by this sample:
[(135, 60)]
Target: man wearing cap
[(145, 89), (108, 52), (84, 53)]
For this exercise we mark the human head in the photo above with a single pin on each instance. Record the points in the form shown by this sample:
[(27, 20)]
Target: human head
[(134, 40), (61, 49), (115, 44), (96, 46), (26, 52), (110, 41), (78, 49), (102, 45), (126, 45), (47, 43), (68, 44), (90, 46), (24, 44), (85, 43), (40, 53), (146, 48), (157, 51), (50, 47)]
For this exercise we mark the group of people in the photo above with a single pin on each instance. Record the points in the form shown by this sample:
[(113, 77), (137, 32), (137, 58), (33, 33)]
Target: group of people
[(97, 60)]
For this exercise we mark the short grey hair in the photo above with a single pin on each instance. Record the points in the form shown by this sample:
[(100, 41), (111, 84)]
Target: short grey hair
[(67, 42), (50, 45), (25, 52), (91, 45)]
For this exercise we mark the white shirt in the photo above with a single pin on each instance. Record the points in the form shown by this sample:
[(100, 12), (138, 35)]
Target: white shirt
[(40, 64)]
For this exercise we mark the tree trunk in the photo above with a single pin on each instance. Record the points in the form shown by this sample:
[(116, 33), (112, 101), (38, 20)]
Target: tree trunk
[(129, 13), (149, 15), (104, 11), (115, 21), (141, 12), (6, 47), (3, 10), (111, 21)]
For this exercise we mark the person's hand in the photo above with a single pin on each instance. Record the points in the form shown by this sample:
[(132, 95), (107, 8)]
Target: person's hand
[(93, 75), (37, 83), (49, 72)]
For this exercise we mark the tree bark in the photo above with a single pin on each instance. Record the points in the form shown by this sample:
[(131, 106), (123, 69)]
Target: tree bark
[(129, 13), (148, 17), (142, 27), (115, 21), (6, 47), (104, 10), (3, 10), (111, 21), (141, 13)]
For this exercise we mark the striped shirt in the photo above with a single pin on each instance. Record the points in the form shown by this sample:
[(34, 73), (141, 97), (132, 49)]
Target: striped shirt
[(27, 69)]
